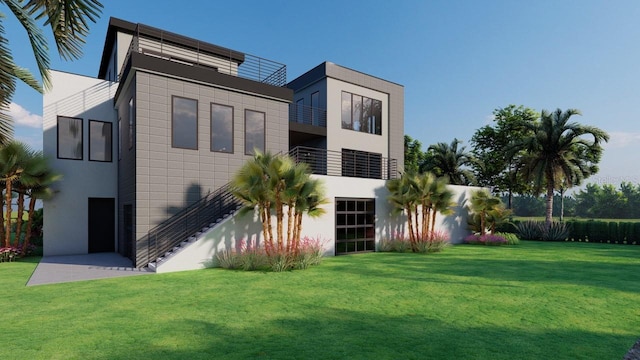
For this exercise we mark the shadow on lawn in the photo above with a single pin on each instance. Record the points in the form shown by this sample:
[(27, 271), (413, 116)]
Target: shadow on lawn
[(329, 333), (616, 276)]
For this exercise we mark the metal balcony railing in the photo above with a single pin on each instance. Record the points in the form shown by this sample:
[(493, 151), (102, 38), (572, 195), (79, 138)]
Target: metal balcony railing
[(166, 45), (351, 163), (304, 114)]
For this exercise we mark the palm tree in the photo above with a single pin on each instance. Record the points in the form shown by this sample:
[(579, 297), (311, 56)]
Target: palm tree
[(14, 158), (310, 197), (404, 199), (442, 201), (558, 151), (483, 204), (37, 188), (451, 161), (68, 21)]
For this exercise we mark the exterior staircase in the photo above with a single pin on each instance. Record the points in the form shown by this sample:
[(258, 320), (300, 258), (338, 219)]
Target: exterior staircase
[(184, 228)]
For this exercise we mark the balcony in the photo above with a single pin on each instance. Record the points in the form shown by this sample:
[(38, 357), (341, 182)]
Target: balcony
[(180, 49), (303, 114), (351, 163)]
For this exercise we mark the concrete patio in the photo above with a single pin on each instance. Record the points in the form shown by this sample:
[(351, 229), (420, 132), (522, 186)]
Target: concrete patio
[(60, 269)]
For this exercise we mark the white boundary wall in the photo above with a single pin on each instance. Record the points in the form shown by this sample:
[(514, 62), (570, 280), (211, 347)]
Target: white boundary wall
[(232, 231)]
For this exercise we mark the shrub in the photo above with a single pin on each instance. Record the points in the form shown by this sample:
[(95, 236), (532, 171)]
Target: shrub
[(280, 261), (8, 254), (434, 243), (512, 239), (310, 253), (529, 230), (487, 239), (228, 259), (557, 231)]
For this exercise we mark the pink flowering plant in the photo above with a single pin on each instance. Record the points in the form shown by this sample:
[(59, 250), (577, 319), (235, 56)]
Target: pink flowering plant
[(9, 253), (486, 239), (250, 256)]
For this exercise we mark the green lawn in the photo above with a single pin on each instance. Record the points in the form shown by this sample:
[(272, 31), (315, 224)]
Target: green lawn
[(533, 301)]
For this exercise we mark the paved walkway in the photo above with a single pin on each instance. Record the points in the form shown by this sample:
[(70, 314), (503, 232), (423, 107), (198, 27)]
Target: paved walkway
[(59, 269)]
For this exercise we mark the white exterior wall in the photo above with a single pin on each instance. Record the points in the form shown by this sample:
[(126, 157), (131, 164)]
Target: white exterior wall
[(229, 233), (339, 138), (66, 221)]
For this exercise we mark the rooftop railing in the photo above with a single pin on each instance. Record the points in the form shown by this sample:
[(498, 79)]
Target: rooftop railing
[(155, 42), (304, 114)]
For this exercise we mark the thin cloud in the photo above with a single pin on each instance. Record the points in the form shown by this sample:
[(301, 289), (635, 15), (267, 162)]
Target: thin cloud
[(622, 139), (24, 117)]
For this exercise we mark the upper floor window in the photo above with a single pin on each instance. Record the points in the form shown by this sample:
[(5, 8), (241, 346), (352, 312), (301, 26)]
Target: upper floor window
[(300, 110), (69, 138), (221, 128), (184, 123), (131, 118), (253, 131), (315, 101), (100, 134), (361, 113)]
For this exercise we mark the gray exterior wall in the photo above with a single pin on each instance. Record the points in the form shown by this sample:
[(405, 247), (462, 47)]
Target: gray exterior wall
[(396, 104), (125, 155), (168, 179)]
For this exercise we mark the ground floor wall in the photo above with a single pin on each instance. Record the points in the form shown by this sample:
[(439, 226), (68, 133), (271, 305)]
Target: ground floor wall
[(239, 229)]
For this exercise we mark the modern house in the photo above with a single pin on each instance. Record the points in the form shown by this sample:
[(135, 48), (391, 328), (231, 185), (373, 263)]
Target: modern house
[(147, 148)]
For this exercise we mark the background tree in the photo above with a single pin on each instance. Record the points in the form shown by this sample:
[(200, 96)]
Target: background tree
[(451, 161), (494, 168), (413, 155), (485, 206), (557, 149), (68, 22)]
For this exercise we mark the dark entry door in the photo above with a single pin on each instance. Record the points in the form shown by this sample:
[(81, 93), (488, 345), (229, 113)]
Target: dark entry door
[(102, 225)]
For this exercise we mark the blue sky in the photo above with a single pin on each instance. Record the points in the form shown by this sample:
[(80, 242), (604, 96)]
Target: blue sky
[(458, 60)]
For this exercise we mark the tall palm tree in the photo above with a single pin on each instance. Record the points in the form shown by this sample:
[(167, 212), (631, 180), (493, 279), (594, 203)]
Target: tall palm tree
[(14, 158), (442, 201), (404, 199), (559, 150), (68, 22), (310, 198), (39, 188), (451, 161)]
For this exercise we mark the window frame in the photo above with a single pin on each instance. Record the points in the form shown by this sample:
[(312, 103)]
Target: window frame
[(264, 131), (173, 145), (374, 128), (315, 116), (58, 137), (211, 105), (110, 140)]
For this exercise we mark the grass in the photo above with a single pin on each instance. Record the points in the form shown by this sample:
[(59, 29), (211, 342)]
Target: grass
[(532, 301)]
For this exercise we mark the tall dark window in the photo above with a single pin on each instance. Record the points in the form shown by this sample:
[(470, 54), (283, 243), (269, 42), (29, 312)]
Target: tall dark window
[(221, 128), (315, 102), (253, 131), (362, 164), (361, 113), (69, 138), (300, 110), (100, 134), (184, 123), (355, 225), (119, 138), (131, 119)]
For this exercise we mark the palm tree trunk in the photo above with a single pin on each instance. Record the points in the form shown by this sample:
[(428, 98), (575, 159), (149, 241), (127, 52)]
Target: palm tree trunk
[(19, 217), (561, 204), (482, 229), (433, 224), (299, 231), (549, 214), (7, 233), (1, 217), (417, 224), (269, 227), (27, 235), (410, 225), (289, 225)]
